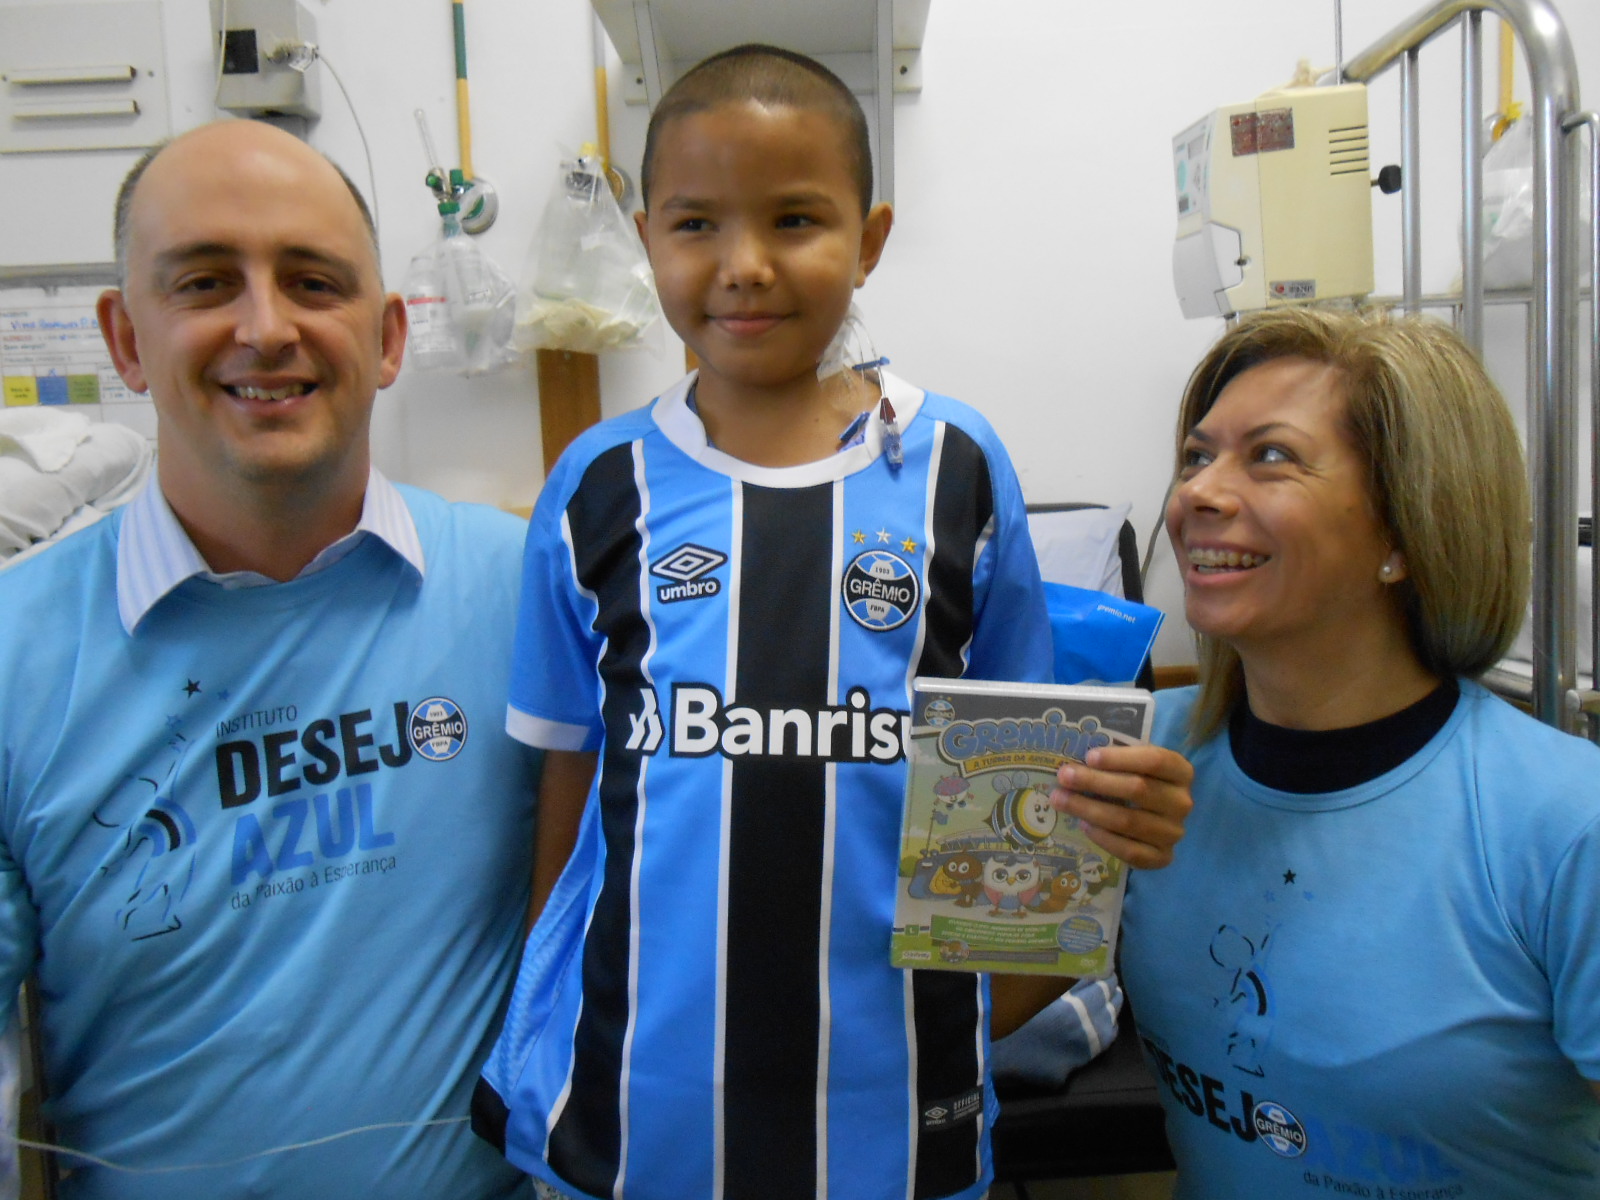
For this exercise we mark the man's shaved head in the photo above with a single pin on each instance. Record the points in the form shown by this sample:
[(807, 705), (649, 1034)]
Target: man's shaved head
[(130, 184)]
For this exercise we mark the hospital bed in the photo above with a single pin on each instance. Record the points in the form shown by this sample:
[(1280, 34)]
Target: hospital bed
[(1547, 675)]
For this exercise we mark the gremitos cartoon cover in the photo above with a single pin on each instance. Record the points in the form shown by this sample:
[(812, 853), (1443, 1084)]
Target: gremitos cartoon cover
[(992, 877)]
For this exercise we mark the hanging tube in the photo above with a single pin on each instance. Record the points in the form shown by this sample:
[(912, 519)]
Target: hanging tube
[(1472, 181), (1338, 42), (1508, 71), (602, 101), (458, 13), (1591, 122), (1552, 447), (883, 58), (1410, 185)]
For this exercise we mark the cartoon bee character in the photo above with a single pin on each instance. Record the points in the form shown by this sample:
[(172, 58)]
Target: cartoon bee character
[(1010, 882), (1022, 815), (961, 876)]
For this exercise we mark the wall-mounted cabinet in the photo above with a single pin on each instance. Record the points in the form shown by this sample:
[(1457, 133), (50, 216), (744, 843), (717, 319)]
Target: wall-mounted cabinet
[(82, 77), (873, 45)]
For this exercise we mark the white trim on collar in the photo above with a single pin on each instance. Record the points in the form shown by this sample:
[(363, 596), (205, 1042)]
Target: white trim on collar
[(684, 430), (155, 555)]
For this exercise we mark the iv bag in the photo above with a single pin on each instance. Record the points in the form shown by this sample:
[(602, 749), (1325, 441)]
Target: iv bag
[(586, 286), (432, 343), (460, 307)]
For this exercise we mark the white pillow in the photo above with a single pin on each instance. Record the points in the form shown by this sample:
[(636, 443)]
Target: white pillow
[(1078, 547)]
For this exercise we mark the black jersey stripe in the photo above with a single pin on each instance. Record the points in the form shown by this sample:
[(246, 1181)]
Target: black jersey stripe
[(776, 831), (586, 1142), (949, 1080), (946, 1013), (963, 506)]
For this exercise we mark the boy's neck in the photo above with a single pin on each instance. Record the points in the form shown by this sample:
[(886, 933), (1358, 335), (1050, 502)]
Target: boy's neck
[(780, 426)]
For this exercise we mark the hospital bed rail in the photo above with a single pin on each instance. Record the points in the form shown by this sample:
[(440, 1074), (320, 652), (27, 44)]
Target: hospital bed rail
[(1556, 697)]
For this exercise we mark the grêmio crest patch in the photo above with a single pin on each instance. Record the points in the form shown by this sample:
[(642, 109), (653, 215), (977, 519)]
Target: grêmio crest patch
[(880, 590)]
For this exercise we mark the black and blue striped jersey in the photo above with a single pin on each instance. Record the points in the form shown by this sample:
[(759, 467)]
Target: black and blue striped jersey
[(706, 1006)]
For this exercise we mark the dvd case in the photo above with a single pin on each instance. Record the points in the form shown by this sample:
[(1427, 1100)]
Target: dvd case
[(992, 876)]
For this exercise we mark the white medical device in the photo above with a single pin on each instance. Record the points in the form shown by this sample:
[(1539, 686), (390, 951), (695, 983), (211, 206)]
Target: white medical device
[(1274, 202), (265, 56)]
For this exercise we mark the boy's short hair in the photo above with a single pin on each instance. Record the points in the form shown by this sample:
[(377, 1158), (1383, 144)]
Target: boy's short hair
[(1445, 478), (767, 75)]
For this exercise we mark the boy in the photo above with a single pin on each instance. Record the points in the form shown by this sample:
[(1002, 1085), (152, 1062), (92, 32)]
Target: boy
[(727, 595)]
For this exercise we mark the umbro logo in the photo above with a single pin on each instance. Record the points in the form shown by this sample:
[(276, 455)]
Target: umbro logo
[(953, 1110), (685, 566)]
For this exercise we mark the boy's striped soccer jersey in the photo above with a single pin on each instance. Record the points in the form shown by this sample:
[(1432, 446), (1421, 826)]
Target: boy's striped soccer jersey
[(706, 1006)]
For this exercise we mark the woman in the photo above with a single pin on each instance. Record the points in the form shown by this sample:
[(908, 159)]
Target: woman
[(1373, 970)]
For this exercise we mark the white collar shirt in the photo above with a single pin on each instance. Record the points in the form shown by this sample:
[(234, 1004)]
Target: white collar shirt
[(155, 555)]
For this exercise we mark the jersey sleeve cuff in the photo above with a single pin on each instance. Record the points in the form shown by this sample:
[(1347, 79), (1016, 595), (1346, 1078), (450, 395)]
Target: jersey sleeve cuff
[(548, 735)]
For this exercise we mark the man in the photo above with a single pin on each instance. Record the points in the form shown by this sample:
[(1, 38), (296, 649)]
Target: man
[(262, 840)]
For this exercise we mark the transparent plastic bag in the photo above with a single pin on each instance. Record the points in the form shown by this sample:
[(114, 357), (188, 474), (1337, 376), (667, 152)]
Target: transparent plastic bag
[(432, 342), (1508, 215), (461, 307), (1508, 209), (587, 285)]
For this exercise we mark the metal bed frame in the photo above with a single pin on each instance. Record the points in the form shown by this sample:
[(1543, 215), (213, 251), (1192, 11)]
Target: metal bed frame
[(1557, 697)]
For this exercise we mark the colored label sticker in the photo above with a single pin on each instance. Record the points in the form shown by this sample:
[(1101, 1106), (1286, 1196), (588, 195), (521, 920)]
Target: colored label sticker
[(1275, 130), (20, 389)]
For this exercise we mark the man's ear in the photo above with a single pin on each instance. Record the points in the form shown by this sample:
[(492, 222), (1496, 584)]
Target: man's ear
[(641, 222), (395, 327), (874, 233), (116, 327)]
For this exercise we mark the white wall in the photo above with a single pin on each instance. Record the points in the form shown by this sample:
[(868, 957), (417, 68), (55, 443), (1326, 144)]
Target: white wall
[(1029, 269)]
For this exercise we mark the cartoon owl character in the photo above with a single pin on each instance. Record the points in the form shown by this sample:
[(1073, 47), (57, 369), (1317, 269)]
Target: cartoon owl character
[(1023, 816), (1064, 885), (960, 876), (1011, 883)]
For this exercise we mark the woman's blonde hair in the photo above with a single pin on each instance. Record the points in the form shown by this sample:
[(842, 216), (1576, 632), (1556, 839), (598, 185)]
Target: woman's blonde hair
[(1444, 473)]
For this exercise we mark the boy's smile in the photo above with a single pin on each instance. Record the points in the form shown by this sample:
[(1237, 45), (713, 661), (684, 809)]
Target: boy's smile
[(757, 240)]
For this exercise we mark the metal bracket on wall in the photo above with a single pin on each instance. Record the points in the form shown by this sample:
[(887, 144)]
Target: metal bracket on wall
[(873, 45)]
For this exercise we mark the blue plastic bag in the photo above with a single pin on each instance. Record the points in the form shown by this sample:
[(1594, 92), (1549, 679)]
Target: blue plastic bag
[(1099, 638)]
